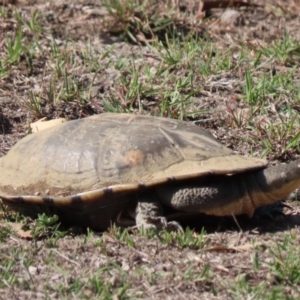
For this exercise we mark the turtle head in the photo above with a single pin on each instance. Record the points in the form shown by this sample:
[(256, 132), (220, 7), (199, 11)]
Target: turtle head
[(282, 179)]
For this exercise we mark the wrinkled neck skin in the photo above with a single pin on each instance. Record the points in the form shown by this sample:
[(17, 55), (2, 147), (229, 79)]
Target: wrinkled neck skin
[(242, 193), (279, 181)]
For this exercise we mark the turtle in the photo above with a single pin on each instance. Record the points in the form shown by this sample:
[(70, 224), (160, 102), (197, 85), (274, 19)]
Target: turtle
[(136, 170)]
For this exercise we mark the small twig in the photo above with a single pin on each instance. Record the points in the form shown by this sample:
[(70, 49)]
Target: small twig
[(236, 222), (66, 258)]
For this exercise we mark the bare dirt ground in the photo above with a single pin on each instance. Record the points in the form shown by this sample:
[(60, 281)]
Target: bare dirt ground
[(235, 259)]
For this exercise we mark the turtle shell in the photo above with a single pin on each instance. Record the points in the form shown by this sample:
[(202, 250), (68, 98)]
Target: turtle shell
[(100, 162)]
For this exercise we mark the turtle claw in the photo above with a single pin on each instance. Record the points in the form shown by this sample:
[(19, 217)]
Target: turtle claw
[(174, 226), (159, 223)]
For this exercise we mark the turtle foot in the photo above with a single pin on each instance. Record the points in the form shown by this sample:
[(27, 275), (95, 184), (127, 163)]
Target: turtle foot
[(149, 215)]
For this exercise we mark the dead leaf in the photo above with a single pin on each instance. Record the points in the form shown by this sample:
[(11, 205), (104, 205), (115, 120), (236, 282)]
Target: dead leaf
[(42, 124), (239, 248), (220, 267), (247, 247), (17, 228)]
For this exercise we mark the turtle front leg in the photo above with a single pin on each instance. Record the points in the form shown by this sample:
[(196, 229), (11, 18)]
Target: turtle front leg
[(150, 214)]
